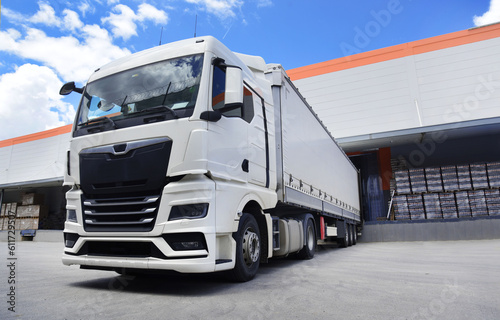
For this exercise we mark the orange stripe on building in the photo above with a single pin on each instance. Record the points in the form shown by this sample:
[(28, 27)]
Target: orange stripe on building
[(36, 136), (398, 51)]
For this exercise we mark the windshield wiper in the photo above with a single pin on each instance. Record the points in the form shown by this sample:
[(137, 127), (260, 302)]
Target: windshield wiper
[(162, 108), (96, 121)]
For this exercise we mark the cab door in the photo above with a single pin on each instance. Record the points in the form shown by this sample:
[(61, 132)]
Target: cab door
[(228, 137), (238, 146)]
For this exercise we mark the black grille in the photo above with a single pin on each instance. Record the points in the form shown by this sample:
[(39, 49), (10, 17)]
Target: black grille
[(120, 214), (122, 184), (137, 166), (121, 249)]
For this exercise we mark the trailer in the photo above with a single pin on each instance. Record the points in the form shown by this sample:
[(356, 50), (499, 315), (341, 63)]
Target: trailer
[(192, 158)]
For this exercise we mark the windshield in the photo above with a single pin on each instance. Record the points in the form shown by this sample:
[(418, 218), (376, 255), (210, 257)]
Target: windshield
[(168, 88)]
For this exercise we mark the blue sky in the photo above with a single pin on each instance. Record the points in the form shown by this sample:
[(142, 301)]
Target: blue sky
[(44, 43)]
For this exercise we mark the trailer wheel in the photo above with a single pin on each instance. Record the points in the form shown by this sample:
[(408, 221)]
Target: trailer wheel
[(310, 248), (344, 241), (351, 234), (247, 249), (354, 234)]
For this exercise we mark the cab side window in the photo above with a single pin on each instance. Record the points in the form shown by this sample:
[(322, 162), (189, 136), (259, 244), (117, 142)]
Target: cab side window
[(218, 97), (218, 89)]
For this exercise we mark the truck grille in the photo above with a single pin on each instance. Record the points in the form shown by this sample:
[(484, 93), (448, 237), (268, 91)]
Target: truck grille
[(120, 214)]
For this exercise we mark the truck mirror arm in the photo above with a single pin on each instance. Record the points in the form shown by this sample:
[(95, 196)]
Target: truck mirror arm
[(69, 87)]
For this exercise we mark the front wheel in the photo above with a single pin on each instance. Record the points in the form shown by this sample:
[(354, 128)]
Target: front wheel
[(247, 249)]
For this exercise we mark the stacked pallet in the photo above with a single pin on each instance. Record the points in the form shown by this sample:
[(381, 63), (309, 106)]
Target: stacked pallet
[(478, 176), (402, 179), (450, 178), (417, 180), (448, 205), (493, 169), (463, 206), (416, 206), (401, 211), (8, 213), (433, 179), (432, 206), (30, 211), (477, 202), (492, 197), (464, 179), (448, 192)]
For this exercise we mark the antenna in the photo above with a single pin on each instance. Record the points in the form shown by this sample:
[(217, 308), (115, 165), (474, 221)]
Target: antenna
[(161, 35), (195, 24)]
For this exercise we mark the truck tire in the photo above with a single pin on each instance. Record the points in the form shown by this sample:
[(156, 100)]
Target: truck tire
[(351, 234), (310, 238), (354, 234), (247, 249), (344, 241)]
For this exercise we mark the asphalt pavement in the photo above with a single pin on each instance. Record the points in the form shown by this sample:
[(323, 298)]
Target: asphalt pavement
[(390, 280)]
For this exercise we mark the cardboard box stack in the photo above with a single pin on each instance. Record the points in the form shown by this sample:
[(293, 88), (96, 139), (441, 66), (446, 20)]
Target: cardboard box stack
[(477, 203), (493, 169), (463, 206), (30, 211), (478, 176), (416, 206), (433, 179), (402, 181), (417, 180), (450, 178), (7, 213), (448, 192), (432, 206), (464, 180), (493, 201), (401, 211), (448, 206)]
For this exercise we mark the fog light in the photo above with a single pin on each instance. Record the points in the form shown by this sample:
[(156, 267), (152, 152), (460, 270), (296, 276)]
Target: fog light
[(189, 211), (71, 216), (189, 245), (70, 239), (186, 241)]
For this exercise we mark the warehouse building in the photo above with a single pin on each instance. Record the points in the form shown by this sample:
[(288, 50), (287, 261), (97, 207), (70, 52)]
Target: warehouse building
[(421, 121)]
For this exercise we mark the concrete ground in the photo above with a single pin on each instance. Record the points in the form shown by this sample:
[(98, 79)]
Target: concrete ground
[(391, 280)]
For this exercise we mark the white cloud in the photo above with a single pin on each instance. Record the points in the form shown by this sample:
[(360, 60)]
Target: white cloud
[(30, 102), (490, 16), (123, 20), (223, 9), (264, 3), (148, 12), (13, 16), (85, 7), (68, 56), (46, 15), (72, 20)]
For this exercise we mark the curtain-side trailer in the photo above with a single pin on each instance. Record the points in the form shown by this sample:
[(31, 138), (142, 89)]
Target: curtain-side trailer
[(192, 158)]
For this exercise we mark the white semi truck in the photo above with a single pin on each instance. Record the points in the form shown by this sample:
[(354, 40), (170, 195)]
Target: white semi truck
[(192, 158)]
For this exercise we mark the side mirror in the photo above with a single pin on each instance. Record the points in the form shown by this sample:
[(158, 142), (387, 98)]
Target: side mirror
[(234, 86), (69, 87), (211, 116)]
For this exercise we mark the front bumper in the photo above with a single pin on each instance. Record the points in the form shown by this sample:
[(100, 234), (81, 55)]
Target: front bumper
[(162, 257), (182, 245)]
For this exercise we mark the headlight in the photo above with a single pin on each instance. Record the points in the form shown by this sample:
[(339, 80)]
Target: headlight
[(189, 211), (71, 216)]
